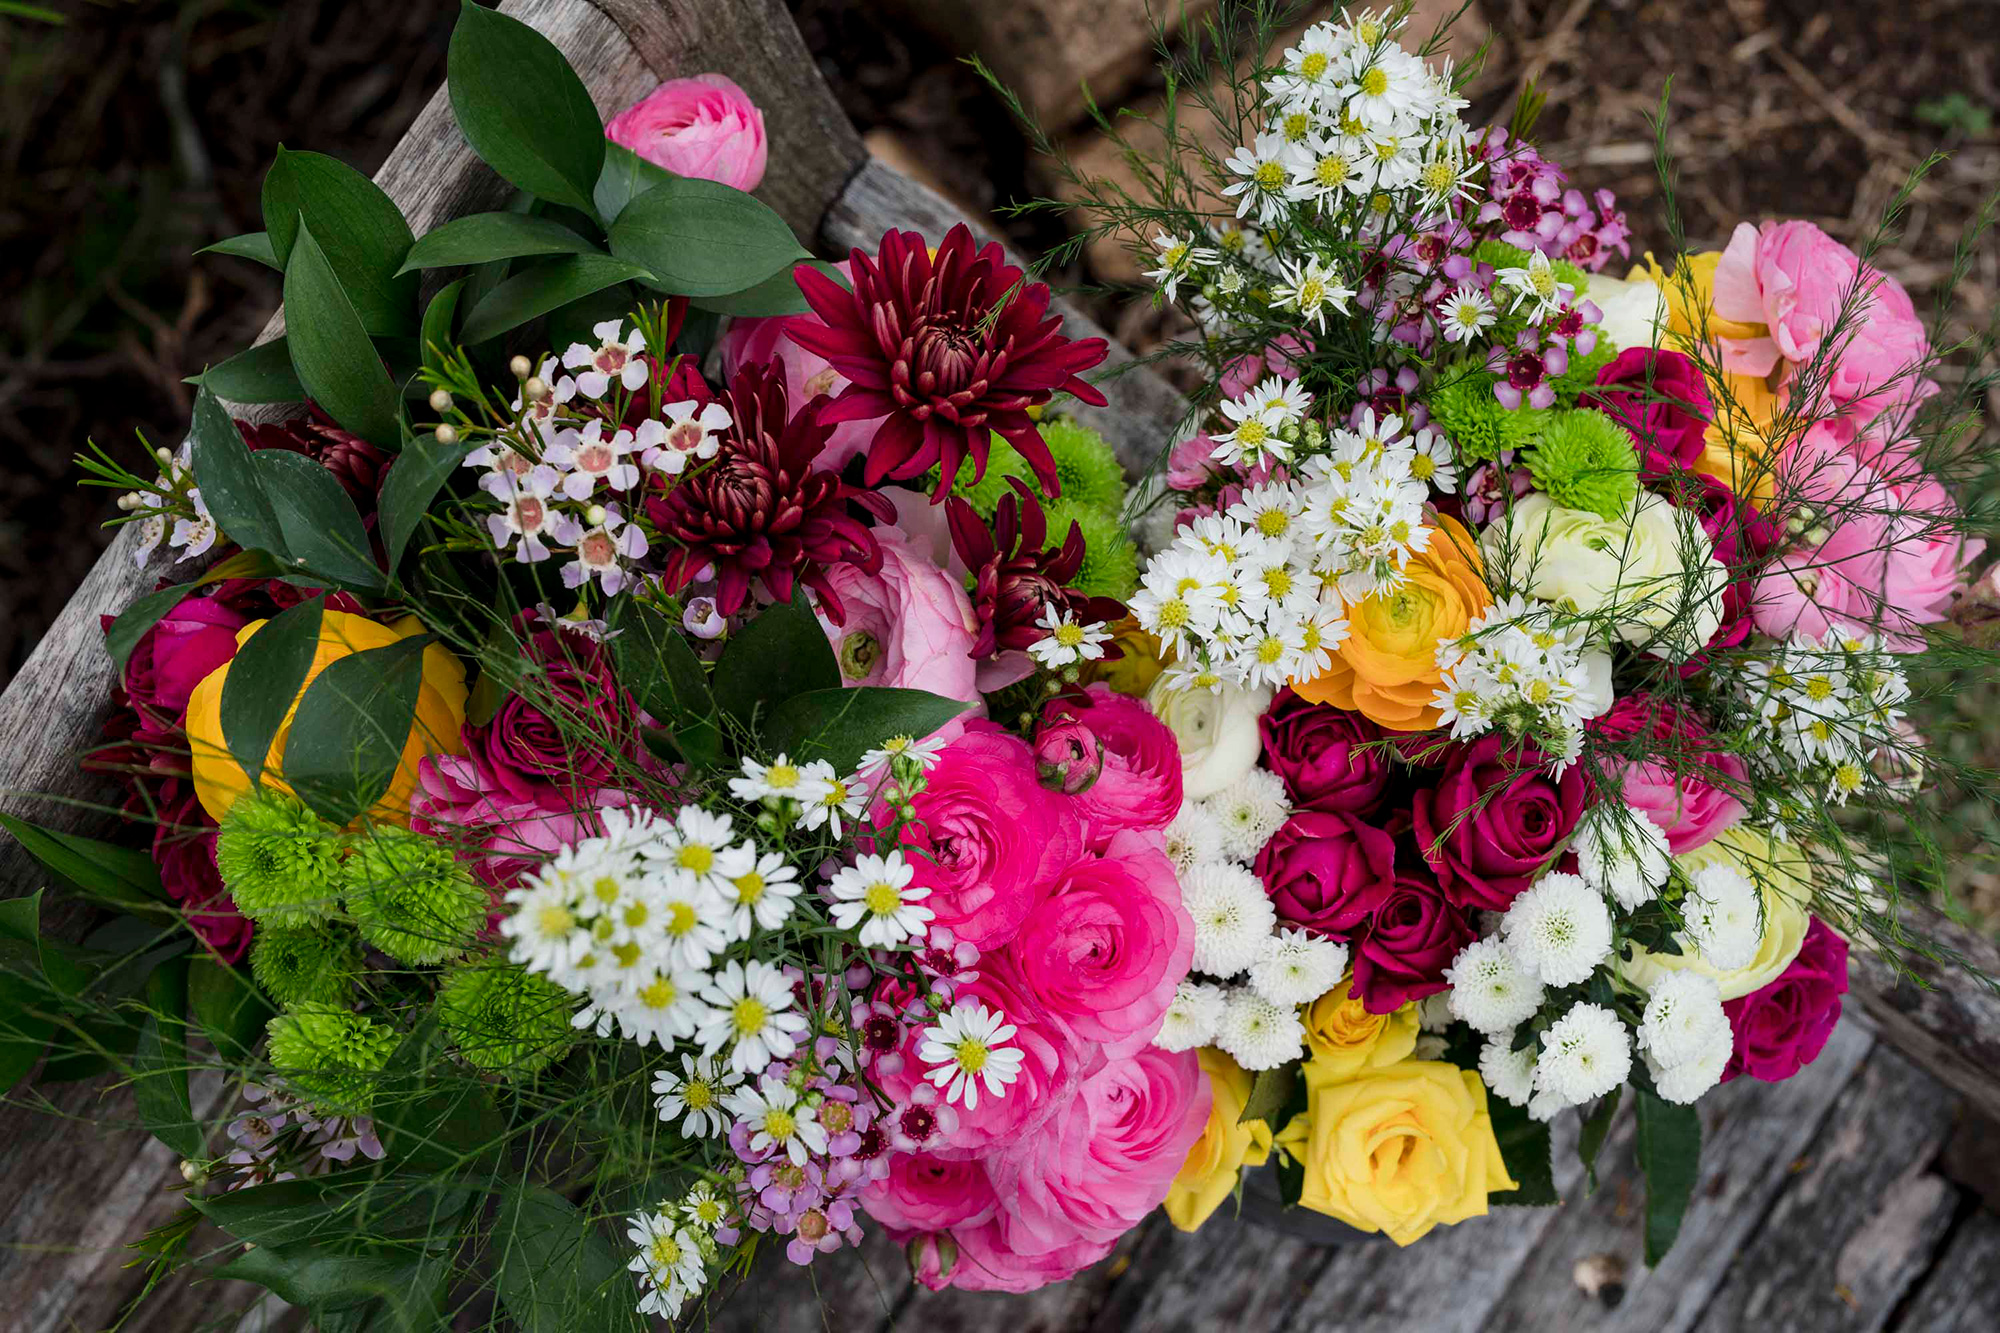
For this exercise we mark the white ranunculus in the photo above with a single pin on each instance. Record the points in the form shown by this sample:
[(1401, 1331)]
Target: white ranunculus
[(1217, 731), (1652, 571), (1597, 693), (1635, 311)]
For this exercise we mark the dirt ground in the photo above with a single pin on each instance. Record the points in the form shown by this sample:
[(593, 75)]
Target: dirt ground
[(136, 132)]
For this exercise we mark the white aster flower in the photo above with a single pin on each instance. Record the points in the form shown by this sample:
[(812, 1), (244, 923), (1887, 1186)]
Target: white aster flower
[(1683, 1019), (968, 1047), (1258, 1034), (1250, 810), (781, 779), (761, 897), (1193, 1018), (875, 894), (697, 1096), (840, 799), (1433, 462), (651, 1005), (1724, 917), (1585, 1054), (1465, 314), (697, 843), (1232, 917), (779, 1119), (1509, 1074), (1536, 286), (750, 1012), (546, 932), (1266, 185), (1489, 988), (669, 1263), (1296, 968), (1620, 852), (1066, 641), (923, 752), (1558, 930), (1176, 257), (694, 918), (1312, 289)]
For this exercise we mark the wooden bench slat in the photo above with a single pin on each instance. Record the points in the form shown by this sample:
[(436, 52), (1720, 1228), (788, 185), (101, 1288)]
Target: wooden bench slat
[(1962, 1294)]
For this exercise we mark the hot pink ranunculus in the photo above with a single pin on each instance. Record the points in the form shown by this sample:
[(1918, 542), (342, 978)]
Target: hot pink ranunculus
[(909, 625), (1106, 1157), (979, 1259), (705, 127), (807, 375), (1140, 787), (1691, 792), (924, 1192), (989, 839), (1105, 949), (1783, 1027)]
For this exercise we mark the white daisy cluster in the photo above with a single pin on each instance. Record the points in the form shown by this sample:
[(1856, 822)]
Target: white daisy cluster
[(1521, 668), (1833, 705), (676, 1244), (1066, 641)]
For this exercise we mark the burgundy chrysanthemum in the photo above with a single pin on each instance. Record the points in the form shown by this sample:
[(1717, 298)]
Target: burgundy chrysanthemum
[(356, 464), (947, 350), (762, 509), (1015, 577)]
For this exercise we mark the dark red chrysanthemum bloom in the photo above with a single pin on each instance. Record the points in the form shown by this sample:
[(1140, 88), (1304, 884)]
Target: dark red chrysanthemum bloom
[(1015, 577), (356, 464), (762, 509), (947, 350)]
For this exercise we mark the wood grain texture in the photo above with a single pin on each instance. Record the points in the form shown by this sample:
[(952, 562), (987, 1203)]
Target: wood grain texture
[(1962, 1294), (1941, 1017)]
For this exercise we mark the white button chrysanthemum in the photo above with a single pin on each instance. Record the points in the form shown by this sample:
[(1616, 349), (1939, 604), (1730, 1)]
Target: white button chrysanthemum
[(1192, 1019), (967, 1047), (1232, 917), (1724, 917), (1620, 852), (1195, 836), (1250, 810), (1558, 929), (875, 894), (1489, 988), (1297, 968), (1585, 1054), (1689, 1079), (1683, 1020), (750, 1012), (1509, 1074), (1259, 1034)]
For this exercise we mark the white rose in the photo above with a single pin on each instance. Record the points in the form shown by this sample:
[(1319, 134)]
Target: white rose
[(1217, 731), (1635, 311), (1652, 571)]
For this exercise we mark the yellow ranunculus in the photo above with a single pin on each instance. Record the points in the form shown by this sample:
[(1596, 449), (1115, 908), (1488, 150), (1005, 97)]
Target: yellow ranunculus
[(1784, 878), (1217, 1159), (1346, 1039), (1739, 441), (219, 780), (1397, 1150), (1690, 298)]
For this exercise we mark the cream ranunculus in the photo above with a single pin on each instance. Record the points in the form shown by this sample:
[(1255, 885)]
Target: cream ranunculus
[(1782, 875), (1651, 573), (1635, 309), (1226, 1146), (1217, 731)]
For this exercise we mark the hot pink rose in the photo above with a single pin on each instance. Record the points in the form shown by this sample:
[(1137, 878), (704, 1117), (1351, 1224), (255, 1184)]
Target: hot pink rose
[(705, 127), (979, 1259), (1663, 400), (171, 658), (1408, 934), (1783, 1027), (533, 740), (1107, 1156), (1493, 823), (1140, 787), (989, 838), (498, 835), (807, 375), (1103, 952), (1329, 758), (922, 1192), (1690, 792), (909, 625), (1318, 865)]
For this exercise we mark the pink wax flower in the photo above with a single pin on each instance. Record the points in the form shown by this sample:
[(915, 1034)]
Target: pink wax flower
[(1692, 796), (1783, 1027), (705, 127), (1191, 465), (1140, 787), (909, 624), (1279, 357)]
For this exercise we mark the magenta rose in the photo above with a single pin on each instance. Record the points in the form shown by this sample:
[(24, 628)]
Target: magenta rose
[(988, 838), (923, 1192), (978, 1258), (1690, 790), (1782, 1028), (568, 725), (1068, 755), (1492, 824), (1663, 400), (171, 658), (1318, 865), (1409, 932), (909, 625), (1140, 787), (705, 127), (1106, 1157), (184, 851), (1328, 757), (1103, 952)]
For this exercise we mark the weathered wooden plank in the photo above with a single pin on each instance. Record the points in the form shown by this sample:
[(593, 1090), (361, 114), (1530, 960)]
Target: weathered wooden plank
[(1949, 1024), (1962, 1294)]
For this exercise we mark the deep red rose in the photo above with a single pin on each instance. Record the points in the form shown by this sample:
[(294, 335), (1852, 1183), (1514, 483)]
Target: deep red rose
[(184, 850), (568, 725), (1327, 756), (1782, 1028), (1492, 824), (1319, 867), (1408, 934), (1662, 399)]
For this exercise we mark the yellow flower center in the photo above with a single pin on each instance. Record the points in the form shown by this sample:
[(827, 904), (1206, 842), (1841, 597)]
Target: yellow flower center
[(660, 995), (696, 858), (680, 919), (749, 1014), (665, 1252), (698, 1095), (1297, 126), (1438, 176), (1311, 292), (1375, 82), (555, 920), (1252, 434), (750, 887), (1173, 614), (1269, 176), (637, 915), (970, 1055), (1543, 280), (781, 777), (1313, 66), (625, 955), (1313, 638), (1069, 634), (1274, 522), (1421, 468), (606, 890), (882, 898), (1278, 581), (1819, 689), (779, 1124), (1538, 693), (1270, 650)]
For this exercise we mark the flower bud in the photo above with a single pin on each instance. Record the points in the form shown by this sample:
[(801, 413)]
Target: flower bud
[(447, 434), (441, 400), (535, 389), (1068, 756), (522, 367), (595, 516)]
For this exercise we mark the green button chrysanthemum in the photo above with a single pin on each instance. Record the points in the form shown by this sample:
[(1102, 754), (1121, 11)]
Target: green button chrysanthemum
[(1463, 407), (505, 1019), (314, 964), (1110, 561), (1086, 467), (1585, 460), (280, 861), (410, 897), (332, 1057)]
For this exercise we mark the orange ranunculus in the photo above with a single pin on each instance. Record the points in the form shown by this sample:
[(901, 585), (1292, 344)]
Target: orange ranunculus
[(1387, 669), (219, 780)]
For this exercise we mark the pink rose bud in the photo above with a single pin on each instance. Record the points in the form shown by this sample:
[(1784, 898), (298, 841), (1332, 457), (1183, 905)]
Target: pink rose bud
[(1068, 755), (705, 127)]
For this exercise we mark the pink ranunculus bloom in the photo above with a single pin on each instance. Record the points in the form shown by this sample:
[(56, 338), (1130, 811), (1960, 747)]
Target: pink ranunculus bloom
[(979, 1259), (909, 625), (1106, 1157), (1068, 755), (1495, 821), (1140, 787), (807, 375), (1783, 1027), (1692, 796), (1789, 276), (1927, 557), (924, 1192), (1103, 952), (989, 838), (1879, 375), (705, 127)]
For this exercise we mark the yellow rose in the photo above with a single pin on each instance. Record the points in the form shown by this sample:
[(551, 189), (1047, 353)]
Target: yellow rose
[(1346, 1039), (1784, 878), (1217, 1159), (1397, 1150), (219, 780)]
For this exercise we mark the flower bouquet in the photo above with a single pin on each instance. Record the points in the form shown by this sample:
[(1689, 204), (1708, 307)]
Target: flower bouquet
[(723, 775)]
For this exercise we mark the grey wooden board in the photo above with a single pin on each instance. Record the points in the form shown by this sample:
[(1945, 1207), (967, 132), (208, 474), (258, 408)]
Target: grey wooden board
[(1963, 1293)]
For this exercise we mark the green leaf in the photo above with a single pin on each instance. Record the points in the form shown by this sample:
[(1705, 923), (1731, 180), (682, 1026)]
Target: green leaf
[(323, 532), (329, 1207), (1269, 1091), (253, 245), (348, 736), (227, 1006), (419, 473), (1596, 1128), (125, 876), (25, 1025), (574, 322), (485, 236), (625, 177), (160, 1062), (358, 226), (556, 1271), (388, 1290), (841, 725), (433, 1124), (337, 364), (541, 288), (229, 482), (440, 317), (778, 294), (781, 653), (523, 109), (1524, 1147), (264, 681), (656, 664), (262, 374), (700, 238), (135, 620), (1670, 1158)]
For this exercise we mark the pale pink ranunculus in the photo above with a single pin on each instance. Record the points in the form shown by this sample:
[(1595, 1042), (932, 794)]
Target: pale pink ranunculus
[(1105, 949), (1928, 555), (909, 625), (762, 340), (1105, 1159), (1878, 377), (1140, 787), (1789, 276), (988, 839), (924, 1192), (705, 127), (978, 1258)]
